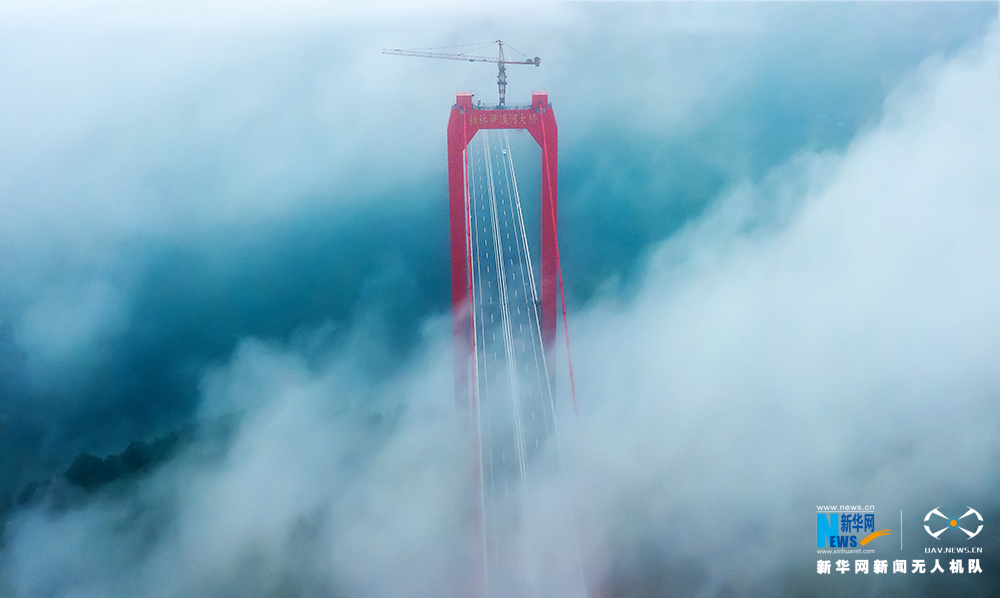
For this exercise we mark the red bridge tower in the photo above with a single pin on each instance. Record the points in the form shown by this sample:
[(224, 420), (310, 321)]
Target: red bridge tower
[(465, 120)]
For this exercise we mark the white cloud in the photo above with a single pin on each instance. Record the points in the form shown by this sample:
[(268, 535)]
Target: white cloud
[(230, 15), (849, 356), (827, 335)]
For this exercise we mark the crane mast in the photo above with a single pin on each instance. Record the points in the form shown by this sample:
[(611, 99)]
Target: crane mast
[(500, 61)]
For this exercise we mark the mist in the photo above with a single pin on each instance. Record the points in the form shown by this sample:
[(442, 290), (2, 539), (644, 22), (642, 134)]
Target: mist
[(778, 229)]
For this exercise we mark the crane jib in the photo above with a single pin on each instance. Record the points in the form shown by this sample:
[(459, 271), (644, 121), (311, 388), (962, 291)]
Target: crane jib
[(500, 61)]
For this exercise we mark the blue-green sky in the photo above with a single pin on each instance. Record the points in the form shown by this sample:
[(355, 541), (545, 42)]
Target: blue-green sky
[(777, 224)]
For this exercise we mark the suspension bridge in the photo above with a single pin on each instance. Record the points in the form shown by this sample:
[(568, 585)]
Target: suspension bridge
[(504, 328), (504, 293)]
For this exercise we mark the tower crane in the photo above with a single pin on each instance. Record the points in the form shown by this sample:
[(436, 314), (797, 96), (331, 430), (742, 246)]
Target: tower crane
[(500, 61)]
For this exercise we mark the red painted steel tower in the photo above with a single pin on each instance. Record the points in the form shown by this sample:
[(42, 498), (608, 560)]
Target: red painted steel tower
[(464, 122)]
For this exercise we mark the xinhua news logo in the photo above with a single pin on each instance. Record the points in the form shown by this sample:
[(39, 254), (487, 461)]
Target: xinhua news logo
[(952, 524), (846, 527)]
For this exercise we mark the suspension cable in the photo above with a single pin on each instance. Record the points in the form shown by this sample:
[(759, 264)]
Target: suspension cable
[(562, 294), (505, 318), (537, 349), (478, 260), (510, 361), (478, 464)]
